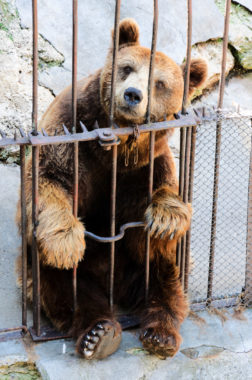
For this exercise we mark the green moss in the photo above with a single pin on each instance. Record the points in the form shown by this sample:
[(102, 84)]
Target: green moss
[(238, 13), (19, 371), (3, 27), (6, 18), (240, 17), (6, 13)]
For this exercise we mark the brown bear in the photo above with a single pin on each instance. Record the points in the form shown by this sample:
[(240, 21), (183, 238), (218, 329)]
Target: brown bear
[(60, 236)]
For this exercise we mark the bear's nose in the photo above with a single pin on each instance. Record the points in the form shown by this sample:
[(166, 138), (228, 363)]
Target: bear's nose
[(133, 96)]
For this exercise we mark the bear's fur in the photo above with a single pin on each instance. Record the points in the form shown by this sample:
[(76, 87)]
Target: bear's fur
[(60, 236)]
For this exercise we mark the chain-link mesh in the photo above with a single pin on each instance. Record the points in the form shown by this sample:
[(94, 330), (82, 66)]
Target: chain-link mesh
[(229, 274)]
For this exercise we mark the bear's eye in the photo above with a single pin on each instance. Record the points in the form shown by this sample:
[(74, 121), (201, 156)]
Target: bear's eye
[(160, 84), (127, 70)]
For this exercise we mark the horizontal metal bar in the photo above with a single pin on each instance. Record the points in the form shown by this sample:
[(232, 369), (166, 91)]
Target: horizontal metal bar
[(106, 133), (217, 304), (47, 333), (12, 141), (23, 328), (183, 121), (110, 239)]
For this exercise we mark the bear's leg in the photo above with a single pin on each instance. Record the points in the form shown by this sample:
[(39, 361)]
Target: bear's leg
[(97, 332), (93, 325), (165, 311)]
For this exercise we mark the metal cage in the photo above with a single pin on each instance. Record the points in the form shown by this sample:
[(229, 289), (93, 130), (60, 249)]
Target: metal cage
[(202, 283)]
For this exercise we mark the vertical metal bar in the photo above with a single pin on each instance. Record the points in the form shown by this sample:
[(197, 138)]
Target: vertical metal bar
[(114, 62), (217, 157), (35, 255), (181, 186), (152, 139), (185, 199), (35, 173), (112, 225), (114, 153), (180, 253), (188, 55), (24, 238), (224, 54), (74, 119), (35, 66), (248, 272), (74, 64), (190, 198)]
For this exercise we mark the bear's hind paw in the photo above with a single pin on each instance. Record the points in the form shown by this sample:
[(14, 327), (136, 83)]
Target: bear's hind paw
[(161, 344), (102, 340)]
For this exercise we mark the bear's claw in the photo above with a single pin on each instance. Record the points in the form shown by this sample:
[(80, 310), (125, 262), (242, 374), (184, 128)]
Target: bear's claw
[(159, 344), (101, 341)]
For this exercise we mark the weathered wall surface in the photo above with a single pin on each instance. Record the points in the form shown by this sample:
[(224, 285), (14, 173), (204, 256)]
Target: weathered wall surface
[(95, 22)]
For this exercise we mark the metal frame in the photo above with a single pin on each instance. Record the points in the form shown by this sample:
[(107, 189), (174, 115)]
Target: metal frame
[(108, 139)]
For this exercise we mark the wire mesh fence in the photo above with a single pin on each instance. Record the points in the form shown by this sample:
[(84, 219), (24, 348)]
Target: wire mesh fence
[(229, 266)]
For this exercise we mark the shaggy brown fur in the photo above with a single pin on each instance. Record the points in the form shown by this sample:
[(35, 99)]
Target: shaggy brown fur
[(60, 236)]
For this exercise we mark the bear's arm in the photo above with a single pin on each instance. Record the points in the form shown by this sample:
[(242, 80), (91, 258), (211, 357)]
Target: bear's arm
[(167, 214)]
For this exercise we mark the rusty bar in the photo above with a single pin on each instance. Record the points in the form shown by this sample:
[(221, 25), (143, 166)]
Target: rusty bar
[(23, 328), (188, 120), (190, 198), (74, 64), (217, 158), (43, 139), (248, 278), (114, 62), (114, 153), (75, 212), (35, 175), (181, 186), (35, 66), (224, 54), (112, 225), (24, 239), (185, 199), (35, 255), (74, 120), (152, 139), (180, 252), (188, 55)]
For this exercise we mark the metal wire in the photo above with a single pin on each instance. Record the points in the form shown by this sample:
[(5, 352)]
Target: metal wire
[(217, 155), (231, 217)]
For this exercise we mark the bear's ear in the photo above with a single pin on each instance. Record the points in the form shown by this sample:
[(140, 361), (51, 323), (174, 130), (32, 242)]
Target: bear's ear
[(128, 32), (198, 74)]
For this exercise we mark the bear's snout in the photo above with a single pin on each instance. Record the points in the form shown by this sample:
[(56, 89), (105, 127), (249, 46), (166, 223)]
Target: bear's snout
[(133, 96)]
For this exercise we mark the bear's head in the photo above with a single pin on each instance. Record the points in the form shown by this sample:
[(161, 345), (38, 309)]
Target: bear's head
[(131, 90)]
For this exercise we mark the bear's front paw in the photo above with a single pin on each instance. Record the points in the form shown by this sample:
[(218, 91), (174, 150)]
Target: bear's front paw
[(161, 343), (167, 215), (62, 244)]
